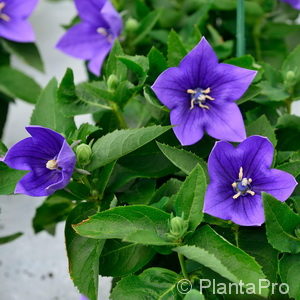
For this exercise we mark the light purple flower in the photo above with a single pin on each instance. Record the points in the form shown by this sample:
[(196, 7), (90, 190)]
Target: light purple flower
[(13, 20), (200, 93), (82, 297), (237, 178), (293, 3), (93, 37), (48, 157)]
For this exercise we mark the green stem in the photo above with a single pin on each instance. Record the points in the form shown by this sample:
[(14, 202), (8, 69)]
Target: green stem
[(182, 266), (236, 234), (240, 28), (119, 115)]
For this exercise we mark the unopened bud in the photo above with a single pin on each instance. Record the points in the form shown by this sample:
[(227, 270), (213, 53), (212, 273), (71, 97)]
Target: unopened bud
[(131, 25), (297, 232), (178, 228), (84, 154), (290, 79), (112, 82)]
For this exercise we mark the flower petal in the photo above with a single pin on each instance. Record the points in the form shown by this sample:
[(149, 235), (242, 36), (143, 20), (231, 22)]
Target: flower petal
[(36, 182), (95, 64), (17, 30), (293, 3), (83, 41), (225, 122), (89, 10), (230, 82), (20, 8), (170, 88), (278, 183), (66, 160), (112, 17), (188, 124)]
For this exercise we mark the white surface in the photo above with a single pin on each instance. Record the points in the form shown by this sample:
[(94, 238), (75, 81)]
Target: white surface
[(35, 266)]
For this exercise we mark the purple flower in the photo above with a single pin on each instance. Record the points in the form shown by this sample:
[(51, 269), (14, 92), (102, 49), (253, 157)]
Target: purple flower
[(93, 37), (82, 297), (13, 20), (48, 157), (237, 178), (200, 94), (293, 3)]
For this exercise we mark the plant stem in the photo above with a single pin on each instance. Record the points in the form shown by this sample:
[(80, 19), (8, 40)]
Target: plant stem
[(119, 115), (240, 28), (182, 265), (236, 234)]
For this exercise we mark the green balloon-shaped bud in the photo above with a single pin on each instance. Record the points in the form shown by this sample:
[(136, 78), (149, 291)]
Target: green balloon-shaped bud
[(290, 79), (112, 82), (84, 154), (178, 228), (131, 25)]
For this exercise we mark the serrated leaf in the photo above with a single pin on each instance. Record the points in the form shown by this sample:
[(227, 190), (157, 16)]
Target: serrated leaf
[(168, 189), (281, 223), (152, 284), (262, 127), (10, 238), (291, 167), (119, 259), (193, 295), (121, 142), (184, 160), (136, 224), (292, 63), (16, 84), (83, 253), (157, 64), (189, 200), (289, 270), (213, 251), (53, 118), (176, 49)]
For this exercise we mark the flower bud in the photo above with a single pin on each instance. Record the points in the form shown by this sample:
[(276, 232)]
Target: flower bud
[(112, 82), (178, 228), (290, 79), (83, 153), (131, 25), (297, 232)]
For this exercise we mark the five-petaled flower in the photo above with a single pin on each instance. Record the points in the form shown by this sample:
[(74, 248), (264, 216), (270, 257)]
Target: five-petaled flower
[(13, 20), (200, 93), (239, 175), (93, 37), (48, 157), (294, 3)]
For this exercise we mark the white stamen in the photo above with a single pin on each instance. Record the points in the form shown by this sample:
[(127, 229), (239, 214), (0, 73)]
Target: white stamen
[(3, 16), (236, 195), (102, 31), (51, 164), (241, 173), (2, 5)]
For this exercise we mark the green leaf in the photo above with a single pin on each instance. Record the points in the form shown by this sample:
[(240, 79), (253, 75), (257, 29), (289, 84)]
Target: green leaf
[(10, 238), (119, 259), (146, 25), (83, 253), (152, 284), (189, 200), (291, 167), (262, 127), (213, 251), (121, 142), (136, 224), (53, 210), (157, 64), (281, 223), (292, 63), (53, 118), (271, 93), (168, 189), (137, 64), (9, 178), (250, 94), (289, 270), (16, 84), (184, 160), (176, 49), (113, 66), (193, 295), (28, 52)]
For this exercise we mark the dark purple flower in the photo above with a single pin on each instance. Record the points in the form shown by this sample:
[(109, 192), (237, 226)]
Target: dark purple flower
[(293, 3), (237, 178), (48, 157), (93, 37), (200, 94), (13, 20)]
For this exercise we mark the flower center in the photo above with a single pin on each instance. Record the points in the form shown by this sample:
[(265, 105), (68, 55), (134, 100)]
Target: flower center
[(199, 97), (242, 186), (106, 33), (52, 164), (3, 16)]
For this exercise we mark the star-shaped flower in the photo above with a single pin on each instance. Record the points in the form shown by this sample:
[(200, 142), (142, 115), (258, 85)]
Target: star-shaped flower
[(13, 20), (239, 175), (200, 93), (93, 37), (48, 157), (294, 3)]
